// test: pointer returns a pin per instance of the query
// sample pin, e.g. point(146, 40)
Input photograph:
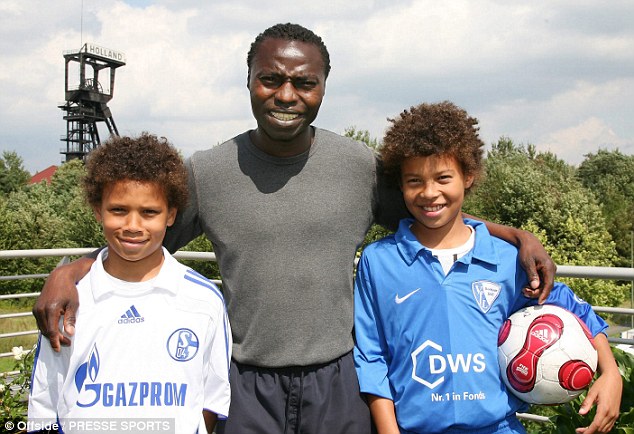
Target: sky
point(555, 74)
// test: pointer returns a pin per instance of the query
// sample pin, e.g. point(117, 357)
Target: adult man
point(286, 206)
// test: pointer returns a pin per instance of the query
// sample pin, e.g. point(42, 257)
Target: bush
point(14, 388)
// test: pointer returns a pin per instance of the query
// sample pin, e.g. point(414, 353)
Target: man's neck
point(278, 148)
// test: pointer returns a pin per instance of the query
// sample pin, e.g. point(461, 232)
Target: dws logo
point(430, 363)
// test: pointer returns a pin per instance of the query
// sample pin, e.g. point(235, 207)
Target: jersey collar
point(483, 250)
point(168, 278)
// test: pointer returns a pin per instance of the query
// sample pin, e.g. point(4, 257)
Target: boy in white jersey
point(420, 302)
point(154, 348)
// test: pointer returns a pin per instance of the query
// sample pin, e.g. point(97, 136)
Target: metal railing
point(65, 254)
point(612, 273)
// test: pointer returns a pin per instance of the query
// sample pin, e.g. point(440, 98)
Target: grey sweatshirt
point(285, 232)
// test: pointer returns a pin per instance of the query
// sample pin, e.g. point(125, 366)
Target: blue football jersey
point(428, 341)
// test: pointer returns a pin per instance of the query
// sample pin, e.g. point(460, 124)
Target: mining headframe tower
point(87, 97)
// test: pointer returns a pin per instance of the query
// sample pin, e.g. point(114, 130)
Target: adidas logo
point(542, 335)
point(131, 316)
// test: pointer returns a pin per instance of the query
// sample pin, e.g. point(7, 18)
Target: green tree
point(45, 216)
point(66, 199)
point(13, 176)
point(28, 222)
point(362, 136)
point(610, 176)
point(540, 193)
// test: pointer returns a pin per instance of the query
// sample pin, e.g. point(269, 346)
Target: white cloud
point(555, 74)
point(591, 134)
point(575, 122)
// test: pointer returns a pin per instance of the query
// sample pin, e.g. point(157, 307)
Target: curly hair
point(146, 158)
point(289, 32)
point(442, 129)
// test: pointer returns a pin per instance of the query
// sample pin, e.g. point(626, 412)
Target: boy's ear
point(171, 216)
point(468, 182)
point(97, 211)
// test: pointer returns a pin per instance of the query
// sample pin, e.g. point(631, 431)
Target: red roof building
point(44, 175)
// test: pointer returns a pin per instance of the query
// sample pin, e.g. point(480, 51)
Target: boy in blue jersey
point(154, 348)
point(431, 298)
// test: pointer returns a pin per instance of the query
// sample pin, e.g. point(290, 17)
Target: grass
point(8, 325)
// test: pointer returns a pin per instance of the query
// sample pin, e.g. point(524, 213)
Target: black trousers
point(316, 399)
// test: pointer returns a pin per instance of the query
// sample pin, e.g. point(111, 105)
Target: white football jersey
point(144, 353)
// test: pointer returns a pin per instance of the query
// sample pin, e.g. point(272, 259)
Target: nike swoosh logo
point(400, 300)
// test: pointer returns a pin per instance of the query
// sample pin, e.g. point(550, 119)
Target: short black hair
point(289, 32)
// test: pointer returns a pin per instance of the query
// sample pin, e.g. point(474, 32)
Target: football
point(546, 355)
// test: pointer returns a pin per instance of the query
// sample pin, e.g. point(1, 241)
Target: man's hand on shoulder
point(538, 265)
point(59, 297)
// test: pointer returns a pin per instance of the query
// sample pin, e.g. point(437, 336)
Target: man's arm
point(210, 420)
point(59, 297)
point(537, 263)
point(390, 207)
point(186, 227)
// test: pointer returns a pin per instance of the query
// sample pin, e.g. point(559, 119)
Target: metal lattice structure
point(87, 98)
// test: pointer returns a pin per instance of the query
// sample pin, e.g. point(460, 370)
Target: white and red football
point(546, 355)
